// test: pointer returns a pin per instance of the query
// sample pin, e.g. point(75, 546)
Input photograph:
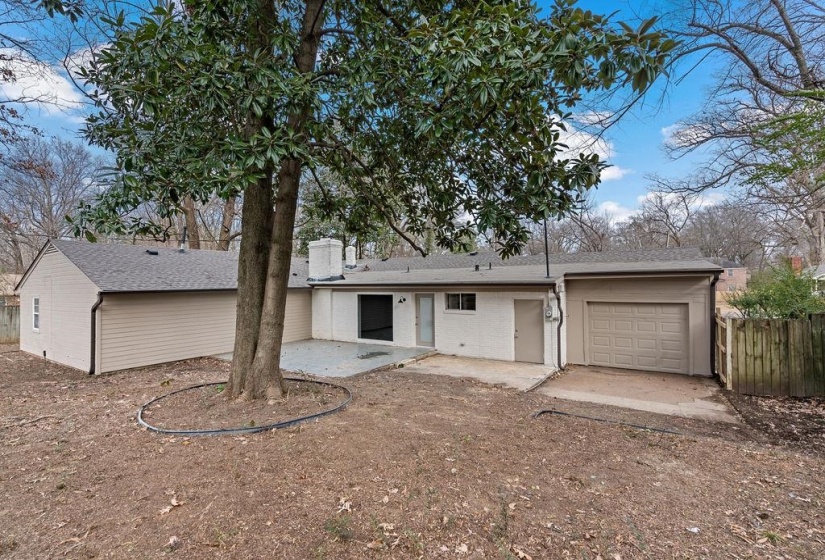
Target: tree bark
point(227, 219)
point(191, 216)
point(256, 227)
point(253, 258)
point(265, 379)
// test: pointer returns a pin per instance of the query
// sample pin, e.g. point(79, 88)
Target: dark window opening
point(375, 317)
point(461, 302)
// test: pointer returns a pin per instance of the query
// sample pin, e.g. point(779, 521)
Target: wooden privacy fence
point(9, 324)
point(772, 357)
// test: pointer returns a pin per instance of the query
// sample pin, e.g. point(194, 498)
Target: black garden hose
point(245, 430)
point(605, 420)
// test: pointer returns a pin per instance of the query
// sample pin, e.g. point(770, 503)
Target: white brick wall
point(485, 333)
point(321, 314)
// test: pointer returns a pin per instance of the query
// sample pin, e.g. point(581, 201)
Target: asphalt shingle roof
point(522, 275)
point(130, 268)
point(484, 258)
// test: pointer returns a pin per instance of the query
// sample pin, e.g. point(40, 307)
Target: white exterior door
point(424, 319)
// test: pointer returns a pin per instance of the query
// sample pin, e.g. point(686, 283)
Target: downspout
point(713, 322)
point(94, 332)
point(558, 327)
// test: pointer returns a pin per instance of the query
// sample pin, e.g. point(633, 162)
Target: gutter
point(558, 327)
point(94, 332)
point(713, 322)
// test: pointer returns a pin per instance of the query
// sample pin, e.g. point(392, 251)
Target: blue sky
point(635, 144)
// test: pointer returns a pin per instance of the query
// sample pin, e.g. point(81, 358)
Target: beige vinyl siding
point(298, 325)
point(66, 299)
point(144, 329)
point(690, 292)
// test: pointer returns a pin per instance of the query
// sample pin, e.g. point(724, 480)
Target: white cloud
point(614, 173)
point(38, 84)
point(615, 211)
point(695, 202)
point(81, 58)
point(579, 141)
point(592, 117)
point(709, 199)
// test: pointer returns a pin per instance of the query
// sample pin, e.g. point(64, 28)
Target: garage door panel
point(622, 342)
point(646, 326)
point(623, 360)
point(673, 346)
point(603, 341)
point(644, 336)
point(601, 308)
point(672, 328)
point(621, 326)
point(646, 344)
point(646, 362)
point(601, 325)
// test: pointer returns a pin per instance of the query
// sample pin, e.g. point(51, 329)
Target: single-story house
point(104, 307)
point(7, 295)
point(649, 310)
point(818, 275)
point(734, 277)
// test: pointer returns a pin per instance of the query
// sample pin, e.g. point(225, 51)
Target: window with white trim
point(36, 314)
point(461, 302)
point(730, 273)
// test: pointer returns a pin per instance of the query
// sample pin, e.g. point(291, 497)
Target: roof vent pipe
point(182, 248)
point(350, 252)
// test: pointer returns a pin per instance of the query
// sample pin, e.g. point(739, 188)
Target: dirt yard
point(414, 468)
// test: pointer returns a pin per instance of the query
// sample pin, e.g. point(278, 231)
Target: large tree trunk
point(253, 259)
point(227, 219)
point(191, 216)
point(265, 379)
point(256, 228)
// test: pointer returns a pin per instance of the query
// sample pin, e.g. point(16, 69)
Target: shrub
point(779, 293)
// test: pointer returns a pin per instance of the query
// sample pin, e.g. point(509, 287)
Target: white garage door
point(645, 336)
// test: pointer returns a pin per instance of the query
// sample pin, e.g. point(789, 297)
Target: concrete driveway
point(662, 393)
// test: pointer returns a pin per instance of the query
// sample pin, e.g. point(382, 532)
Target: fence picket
point(818, 353)
point(9, 324)
point(779, 357)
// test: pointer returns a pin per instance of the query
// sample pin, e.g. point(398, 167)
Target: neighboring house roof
point(817, 271)
point(130, 268)
point(8, 282)
point(725, 263)
point(521, 270)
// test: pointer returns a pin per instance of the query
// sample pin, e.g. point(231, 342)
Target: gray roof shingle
point(484, 258)
point(129, 268)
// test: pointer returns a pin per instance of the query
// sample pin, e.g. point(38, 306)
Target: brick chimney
point(350, 252)
point(796, 264)
point(325, 260)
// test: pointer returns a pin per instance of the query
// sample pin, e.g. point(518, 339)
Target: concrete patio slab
point(327, 358)
point(517, 375)
point(662, 393)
